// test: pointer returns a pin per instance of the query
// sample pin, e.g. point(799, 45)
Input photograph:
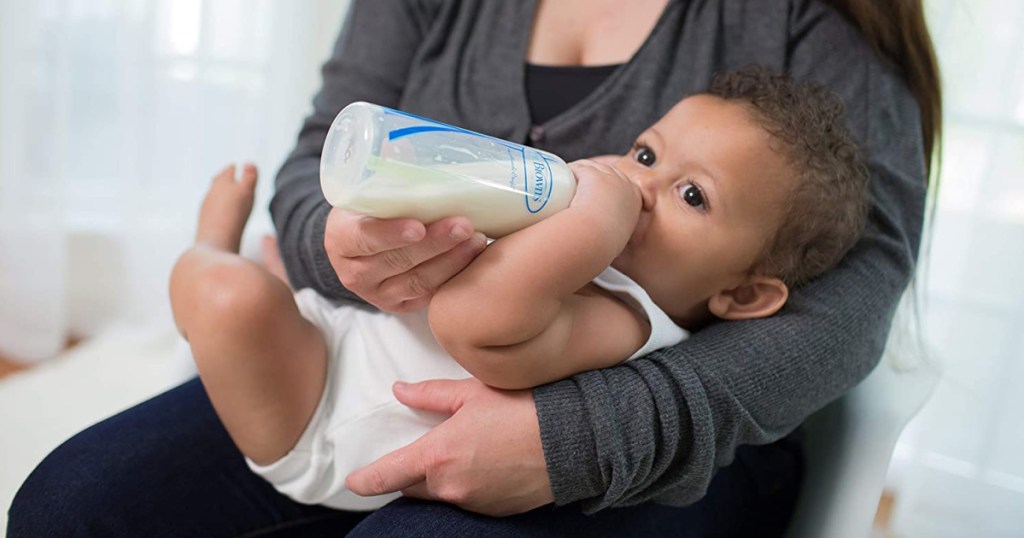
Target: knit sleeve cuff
point(567, 436)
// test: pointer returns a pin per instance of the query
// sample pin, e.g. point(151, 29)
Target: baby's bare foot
point(226, 209)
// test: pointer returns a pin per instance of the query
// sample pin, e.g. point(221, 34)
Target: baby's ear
point(758, 297)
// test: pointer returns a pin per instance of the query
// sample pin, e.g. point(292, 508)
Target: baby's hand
point(606, 190)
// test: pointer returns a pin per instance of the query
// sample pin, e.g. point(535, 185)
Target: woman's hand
point(486, 458)
point(398, 264)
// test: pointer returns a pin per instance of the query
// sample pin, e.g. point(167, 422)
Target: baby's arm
point(517, 317)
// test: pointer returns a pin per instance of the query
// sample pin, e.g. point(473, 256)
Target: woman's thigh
point(163, 468)
point(168, 468)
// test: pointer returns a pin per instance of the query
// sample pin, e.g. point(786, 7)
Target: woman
point(676, 427)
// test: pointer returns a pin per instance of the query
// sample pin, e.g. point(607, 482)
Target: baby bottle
point(386, 163)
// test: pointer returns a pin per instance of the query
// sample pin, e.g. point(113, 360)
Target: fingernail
point(411, 234)
point(458, 233)
point(401, 385)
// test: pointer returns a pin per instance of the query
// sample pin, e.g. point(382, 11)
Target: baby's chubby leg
point(262, 363)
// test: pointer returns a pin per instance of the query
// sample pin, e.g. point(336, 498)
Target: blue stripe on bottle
point(436, 126)
point(406, 131)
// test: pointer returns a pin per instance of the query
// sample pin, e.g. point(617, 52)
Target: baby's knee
point(224, 292)
point(234, 289)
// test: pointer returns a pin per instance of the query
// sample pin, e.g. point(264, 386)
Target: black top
point(553, 89)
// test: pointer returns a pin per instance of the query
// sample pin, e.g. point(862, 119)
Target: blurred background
point(114, 115)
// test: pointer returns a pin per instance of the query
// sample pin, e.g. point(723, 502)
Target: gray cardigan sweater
point(658, 427)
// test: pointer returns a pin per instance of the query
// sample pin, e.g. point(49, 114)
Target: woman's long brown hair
point(897, 30)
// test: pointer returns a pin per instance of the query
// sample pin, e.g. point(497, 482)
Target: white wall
point(114, 116)
point(959, 469)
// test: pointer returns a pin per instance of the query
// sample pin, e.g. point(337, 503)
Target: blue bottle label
point(537, 181)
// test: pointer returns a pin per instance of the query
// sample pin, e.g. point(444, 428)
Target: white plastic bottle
point(387, 163)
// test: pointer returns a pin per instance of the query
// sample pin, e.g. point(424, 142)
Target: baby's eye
point(692, 195)
point(645, 155)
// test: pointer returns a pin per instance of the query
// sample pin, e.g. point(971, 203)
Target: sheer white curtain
point(959, 468)
point(114, 114)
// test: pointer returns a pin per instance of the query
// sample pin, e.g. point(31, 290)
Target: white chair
point(849, 444)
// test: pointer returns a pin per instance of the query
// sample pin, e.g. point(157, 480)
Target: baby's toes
point(249, 175)
point(227, 175)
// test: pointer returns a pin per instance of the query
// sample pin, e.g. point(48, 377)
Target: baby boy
point(720, 208)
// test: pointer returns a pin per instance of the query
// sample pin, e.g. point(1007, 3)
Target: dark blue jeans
point(168, 468)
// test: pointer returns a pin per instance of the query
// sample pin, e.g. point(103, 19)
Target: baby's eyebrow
point(654, 132)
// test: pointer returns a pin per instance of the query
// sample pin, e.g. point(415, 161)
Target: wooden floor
point(8, 366)
point(883, 517)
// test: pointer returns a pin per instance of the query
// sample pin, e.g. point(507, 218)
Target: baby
point(720, 208)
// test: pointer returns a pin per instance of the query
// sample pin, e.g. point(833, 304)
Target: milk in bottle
point(387, 163)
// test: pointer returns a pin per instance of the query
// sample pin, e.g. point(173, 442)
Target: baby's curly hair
point(826, 212)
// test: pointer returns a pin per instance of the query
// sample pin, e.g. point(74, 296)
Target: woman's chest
point(590, 32)
point(470, 68)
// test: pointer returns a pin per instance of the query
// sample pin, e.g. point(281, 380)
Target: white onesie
point(358, 419)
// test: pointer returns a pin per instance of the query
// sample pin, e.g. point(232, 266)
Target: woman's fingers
point(397, 264)
point(435, 395)
point(487, 457)
point(352, 235)
point(440, 237)
point(405, 468)
point(415, 287)
point(391, 472)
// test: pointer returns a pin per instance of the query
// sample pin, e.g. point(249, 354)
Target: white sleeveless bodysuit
point(358, 419)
